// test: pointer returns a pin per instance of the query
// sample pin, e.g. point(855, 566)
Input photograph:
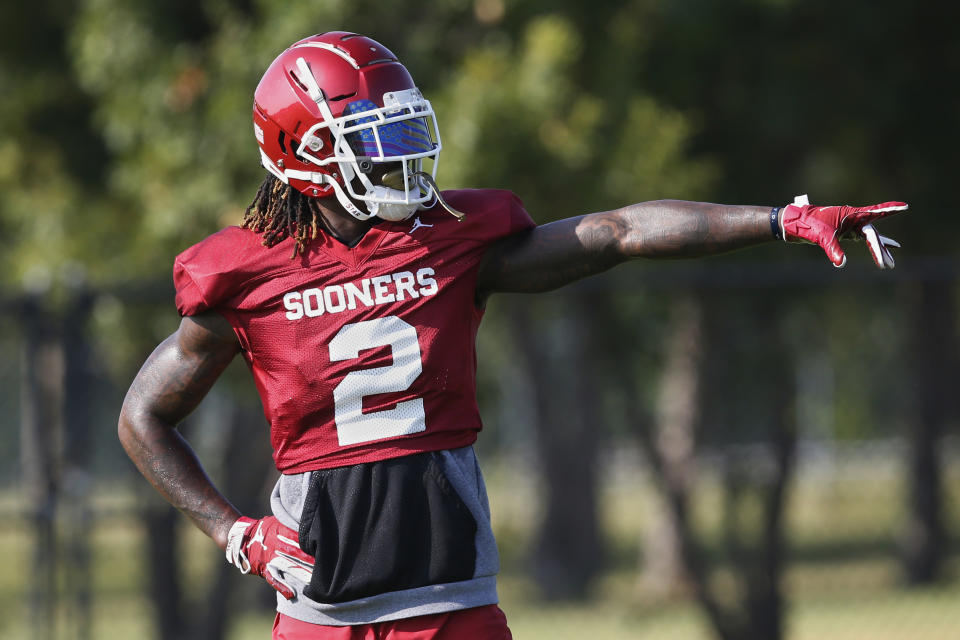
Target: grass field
point(843, 578)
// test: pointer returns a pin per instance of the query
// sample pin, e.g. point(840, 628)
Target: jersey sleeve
point(190, 298)
point(208, 274)
point(491, 214)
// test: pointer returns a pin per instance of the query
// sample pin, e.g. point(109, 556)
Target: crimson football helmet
point(333, 107)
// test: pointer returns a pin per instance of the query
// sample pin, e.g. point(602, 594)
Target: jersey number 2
point(354, 426)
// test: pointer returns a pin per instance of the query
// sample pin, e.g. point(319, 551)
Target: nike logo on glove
point(258, 537)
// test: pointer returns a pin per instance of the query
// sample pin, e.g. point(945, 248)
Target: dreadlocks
point(279, 211)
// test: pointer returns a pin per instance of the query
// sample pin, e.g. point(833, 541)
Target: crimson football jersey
point(364, 353)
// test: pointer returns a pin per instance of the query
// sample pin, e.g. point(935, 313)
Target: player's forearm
point(561, 252)
point(675, 228)
point(171, 383)
point(168, 462)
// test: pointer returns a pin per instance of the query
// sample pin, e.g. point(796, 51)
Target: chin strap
point(322, 179)
point(344, 200)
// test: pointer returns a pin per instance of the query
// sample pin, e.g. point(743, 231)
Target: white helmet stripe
point(329, 47)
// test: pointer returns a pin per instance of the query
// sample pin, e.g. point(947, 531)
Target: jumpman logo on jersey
point(417, 224)
point(258, 537)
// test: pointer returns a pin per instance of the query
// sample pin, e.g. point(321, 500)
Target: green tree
point(51, 157)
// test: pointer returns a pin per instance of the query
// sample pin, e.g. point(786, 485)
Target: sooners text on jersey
point(362, 353)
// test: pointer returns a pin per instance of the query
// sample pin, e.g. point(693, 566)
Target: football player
point(354, 289)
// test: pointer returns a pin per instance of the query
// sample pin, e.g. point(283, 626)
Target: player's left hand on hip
point(270, 550)
point(825, 226)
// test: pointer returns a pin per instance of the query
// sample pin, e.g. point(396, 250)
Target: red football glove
point(270, 550)
point(825, 226)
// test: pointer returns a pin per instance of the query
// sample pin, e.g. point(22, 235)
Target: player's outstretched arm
point(555, 254)
point(171, 383)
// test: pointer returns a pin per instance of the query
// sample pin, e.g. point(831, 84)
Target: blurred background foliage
point(741, 432)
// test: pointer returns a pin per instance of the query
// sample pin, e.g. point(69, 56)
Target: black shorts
point(385, 526)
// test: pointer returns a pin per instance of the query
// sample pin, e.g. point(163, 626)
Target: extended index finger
point(882, 210)
point(855, 217)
